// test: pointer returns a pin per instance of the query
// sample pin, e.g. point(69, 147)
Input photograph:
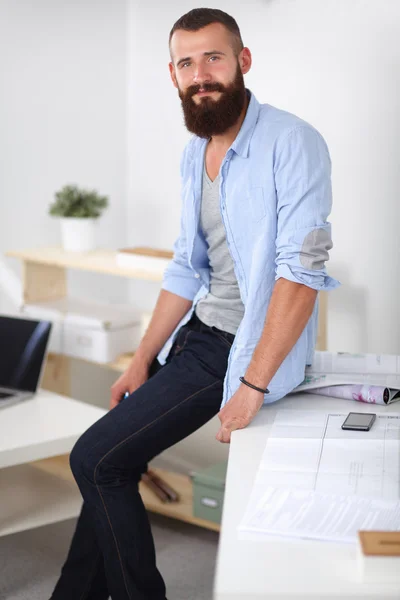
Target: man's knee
point(89, 461)
point(81, 460)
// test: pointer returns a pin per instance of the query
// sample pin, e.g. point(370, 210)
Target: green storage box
point(208, 492)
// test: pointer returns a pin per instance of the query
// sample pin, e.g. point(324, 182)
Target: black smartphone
point(359, 421)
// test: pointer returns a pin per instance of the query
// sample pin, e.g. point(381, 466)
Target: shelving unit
point(57, 496)
point(182, 510)
point(99, 261)
point(44, 278)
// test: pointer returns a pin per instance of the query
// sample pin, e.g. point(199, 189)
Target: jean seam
point(223, 339)
point(179, 348)
point(86, 589)
point(120, 444)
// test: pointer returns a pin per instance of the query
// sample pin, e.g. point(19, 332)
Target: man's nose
point(201, 75)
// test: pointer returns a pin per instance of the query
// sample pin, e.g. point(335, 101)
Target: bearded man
point(235, 322)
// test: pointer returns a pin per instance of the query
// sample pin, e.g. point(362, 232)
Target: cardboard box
point(378, 556)
point(92, 331)
point(150, 259)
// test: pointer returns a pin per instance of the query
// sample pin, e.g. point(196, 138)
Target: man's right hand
point(136, 375)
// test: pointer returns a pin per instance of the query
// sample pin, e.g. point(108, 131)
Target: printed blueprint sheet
point(310, 462)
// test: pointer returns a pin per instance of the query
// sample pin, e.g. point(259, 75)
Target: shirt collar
point(242, 141)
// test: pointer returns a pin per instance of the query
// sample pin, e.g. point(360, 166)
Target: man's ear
point(245, 60)
point(172, 74)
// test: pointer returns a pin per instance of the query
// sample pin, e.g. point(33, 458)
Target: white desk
point(273, 568)
point(44, 426)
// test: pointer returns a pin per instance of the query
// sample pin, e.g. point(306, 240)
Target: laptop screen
point(23, 344)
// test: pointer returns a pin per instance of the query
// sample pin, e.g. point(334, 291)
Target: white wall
point(156, 134)
point(156, 137)
point(65, 116)
point(62, 119)
point(62, 115)
point(334, 63)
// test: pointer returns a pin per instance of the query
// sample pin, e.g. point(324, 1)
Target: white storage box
point(149, 259)
point(89, 330)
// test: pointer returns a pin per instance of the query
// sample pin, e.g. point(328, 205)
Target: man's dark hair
point(201, 17)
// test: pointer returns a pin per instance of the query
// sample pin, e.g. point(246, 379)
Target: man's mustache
point(206, 87)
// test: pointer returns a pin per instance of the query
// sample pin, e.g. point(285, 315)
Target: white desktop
point(42, 427)
point(254, 566)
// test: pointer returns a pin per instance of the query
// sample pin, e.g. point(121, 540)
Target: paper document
point(309, 451)
point(345, 362)
point(373, 378)
point(328, 517)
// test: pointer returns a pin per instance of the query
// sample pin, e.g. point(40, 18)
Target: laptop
point(23, 348)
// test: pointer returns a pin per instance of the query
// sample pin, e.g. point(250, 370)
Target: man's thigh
point(177, 399)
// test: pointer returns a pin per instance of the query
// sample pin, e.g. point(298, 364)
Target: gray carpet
point(30, 561)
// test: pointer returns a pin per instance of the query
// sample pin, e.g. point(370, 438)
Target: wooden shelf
point(121, 363)
point(59, 467)
point(181, 510)
point(99, 261)
point(32, 497)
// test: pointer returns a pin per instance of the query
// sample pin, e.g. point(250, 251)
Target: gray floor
point(30, 561)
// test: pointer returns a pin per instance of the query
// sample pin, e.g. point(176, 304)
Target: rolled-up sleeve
point(179, 278)
point(304, 199)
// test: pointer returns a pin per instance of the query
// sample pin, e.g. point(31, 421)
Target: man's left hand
point(239, 411)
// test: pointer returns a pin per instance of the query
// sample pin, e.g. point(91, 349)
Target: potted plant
point(78, 210)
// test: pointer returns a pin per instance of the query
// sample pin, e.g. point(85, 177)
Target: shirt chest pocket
point(256, 203)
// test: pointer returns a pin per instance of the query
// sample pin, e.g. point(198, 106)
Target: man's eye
point(185, 64)
point(214, 57)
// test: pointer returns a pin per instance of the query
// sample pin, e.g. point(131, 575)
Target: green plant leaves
point(72, 201)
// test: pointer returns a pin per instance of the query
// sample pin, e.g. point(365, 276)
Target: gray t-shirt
point(222, 307)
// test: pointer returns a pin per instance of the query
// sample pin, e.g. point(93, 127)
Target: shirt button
point(197, 275)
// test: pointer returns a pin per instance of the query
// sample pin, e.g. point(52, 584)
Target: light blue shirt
point(275, 198)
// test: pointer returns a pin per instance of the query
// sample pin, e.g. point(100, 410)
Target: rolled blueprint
point(371, 394)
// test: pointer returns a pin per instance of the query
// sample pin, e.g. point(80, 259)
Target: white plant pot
point(78, 235)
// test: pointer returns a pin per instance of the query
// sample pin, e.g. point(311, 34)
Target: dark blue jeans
point(112, 551)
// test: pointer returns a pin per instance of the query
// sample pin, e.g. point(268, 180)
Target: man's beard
point(214, 117)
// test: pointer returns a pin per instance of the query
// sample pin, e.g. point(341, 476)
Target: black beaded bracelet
point(266, 391)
